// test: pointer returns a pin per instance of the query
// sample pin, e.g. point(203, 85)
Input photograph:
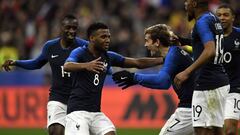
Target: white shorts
point(56, 113)
point(180, 123)
point(86, 123)
point(208, 107)
point(232, 106)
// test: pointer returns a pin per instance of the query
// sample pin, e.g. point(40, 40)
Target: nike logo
point(122, 78)
point(54, 56)
point(195, 119)
point(77, 126)
point(169, 130)
point(236, 111)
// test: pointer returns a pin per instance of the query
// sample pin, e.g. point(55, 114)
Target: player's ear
point(158, 43)
point(91, 38)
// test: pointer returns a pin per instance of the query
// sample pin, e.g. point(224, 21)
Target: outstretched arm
point(154, 81)
point(31, 64)
point(125, 79)
point(142, 62)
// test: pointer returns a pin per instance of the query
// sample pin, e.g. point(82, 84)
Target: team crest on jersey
point(236, 43)
point(105, 65)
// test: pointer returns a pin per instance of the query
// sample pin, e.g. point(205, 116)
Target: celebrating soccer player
point(212, 83)
point(55, 52)
point(89, 66)
point(232, 65)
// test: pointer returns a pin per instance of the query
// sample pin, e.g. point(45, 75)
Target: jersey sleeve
point(204, 31)
point(75, 55)
point(82, 42)
point(36, 63)
point(115, 59)
point(162, 80)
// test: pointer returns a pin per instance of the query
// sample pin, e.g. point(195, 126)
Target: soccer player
point(232, 65)
point(157, 40)
point(212, 83)
point(56, 52)
point(90, 65)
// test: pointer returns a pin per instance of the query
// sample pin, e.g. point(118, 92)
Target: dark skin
point(99, 43)
point(226, 17)
point(69, 30)
point(194, 12)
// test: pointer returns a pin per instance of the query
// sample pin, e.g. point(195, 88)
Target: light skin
point(155, 47)
point(99, 42)
point(227, 18)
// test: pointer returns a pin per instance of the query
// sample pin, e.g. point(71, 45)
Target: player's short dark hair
point(161, 32)
point(94, 27)
point(68, 17)
point(225, 5)
point(202, 3)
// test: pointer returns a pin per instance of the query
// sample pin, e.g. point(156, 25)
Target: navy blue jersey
point(53, 53)
point(176, 61)
point(87, 86)
point(232, 59)
point(211, 75)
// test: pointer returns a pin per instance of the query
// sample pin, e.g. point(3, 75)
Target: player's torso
point(231, 58)
point(86, 94)
point(186, 91)
point(211, 75)
point(61, 80)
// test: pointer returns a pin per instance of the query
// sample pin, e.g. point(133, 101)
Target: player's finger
point(96, 71)
point(99, 58)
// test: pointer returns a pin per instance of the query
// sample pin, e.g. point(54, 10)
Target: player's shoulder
point(237, 29)
point(81, 42)
point(52, 41)
point(208, 17)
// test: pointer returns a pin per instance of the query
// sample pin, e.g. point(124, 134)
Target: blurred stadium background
point(26, 24)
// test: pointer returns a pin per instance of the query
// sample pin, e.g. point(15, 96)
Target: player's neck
point(93, 50)
point(65, 44)
point(163, 50)
point(228, 31)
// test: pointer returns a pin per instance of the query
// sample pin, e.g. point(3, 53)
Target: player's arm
point(72, 63)
point(127, 62)
point(208, 53)
point(162, 80)
point(31, 64)
point(142, 62)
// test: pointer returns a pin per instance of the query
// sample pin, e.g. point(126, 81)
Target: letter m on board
point(140, 108)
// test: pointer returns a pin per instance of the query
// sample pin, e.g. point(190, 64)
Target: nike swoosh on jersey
point(122, 78)
point(54, 56)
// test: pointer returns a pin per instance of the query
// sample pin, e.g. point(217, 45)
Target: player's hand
point(124, 79)
point(96, 66)
point(180, 78)
point(6, 65)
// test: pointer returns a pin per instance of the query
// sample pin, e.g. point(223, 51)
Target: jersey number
point(96, 79)
point(219, 50)
point(65, 73)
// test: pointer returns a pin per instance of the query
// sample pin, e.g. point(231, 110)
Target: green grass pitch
point(44, 132)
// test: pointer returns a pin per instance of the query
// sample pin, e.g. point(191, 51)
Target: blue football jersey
point(232, 59)
point(176, 61)
point(211, 75)
point(87, 86)
point(53, 53)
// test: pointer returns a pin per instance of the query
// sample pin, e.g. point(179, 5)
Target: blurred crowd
point(26, 24)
